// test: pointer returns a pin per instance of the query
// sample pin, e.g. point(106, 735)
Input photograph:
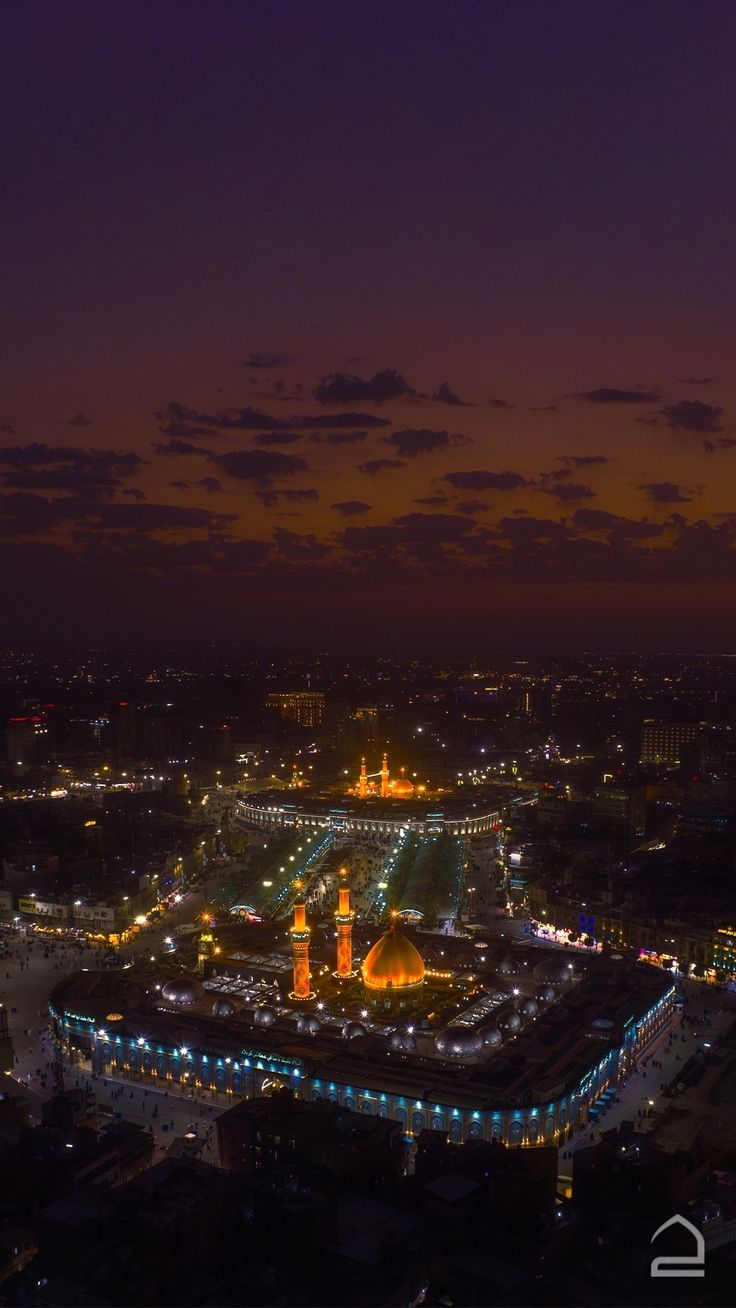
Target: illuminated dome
point(402, 787)
point(393, 963)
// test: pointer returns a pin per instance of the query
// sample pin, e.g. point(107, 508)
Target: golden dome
point(393, 961)
point(402, 786)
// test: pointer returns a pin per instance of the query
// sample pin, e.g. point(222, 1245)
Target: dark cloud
point(180, 484)
point(259, 465)
point(583, 460)
point(543, 408)
point(482, 480)
point(611, 395)
point(6, 429)
point(665, 492)
point(249, 419)
point(531, 529)
point(79, 420)
point(341, 388)
point(338, 437)
point(568, 492)
point(693, 415)
point(269, 496)
point(134, 493)
point(443, 395)
point(154, 517)
point(499, 404)
point(210, 484)
point(296, 546)
point(74, 478)
point(38, 455)
point(186, 431)
point(369, 538)
point(374, 466)
point(434, 501)
point(264, 361)
point(175, 446)
point(602, 520)
point(698, 381)
point(350, 508)
point(554, 477)
point(723, 443)
point(278, 438)
point(471, 506)
point(434, 526)
point(410, 442)
point(25, 513)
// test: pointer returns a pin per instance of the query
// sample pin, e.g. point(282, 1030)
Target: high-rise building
point(668, 742)
point(161, 736)
point(620, 808)
point(24, 734)
point(306, 707)
point(125, 729)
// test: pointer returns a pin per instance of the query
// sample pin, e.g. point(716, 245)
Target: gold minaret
point(344, 919)
point(300, 934)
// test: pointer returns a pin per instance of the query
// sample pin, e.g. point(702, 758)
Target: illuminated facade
point(666, 742)
point(305, 707)
point(300, 934)
point(344, 918)
point(234, 1061)
point(454, 815)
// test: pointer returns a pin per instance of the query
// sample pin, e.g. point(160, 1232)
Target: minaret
point(363, 782)
point(344, 918)
point(384, 776)
point(300, 934)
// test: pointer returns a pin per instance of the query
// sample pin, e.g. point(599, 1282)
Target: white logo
point(685, 1264)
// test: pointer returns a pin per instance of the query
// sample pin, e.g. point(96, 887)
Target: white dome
point(491, 1035)
point(507, 967)
point(182, 990)
point(403, 1040)
point(459, 1042)
point(223, 1008)
point(264, 1017)
point(353, 1029)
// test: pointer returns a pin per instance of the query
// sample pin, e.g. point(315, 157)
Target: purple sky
point(376, 322)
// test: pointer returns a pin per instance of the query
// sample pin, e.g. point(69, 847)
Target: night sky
point(403, 324)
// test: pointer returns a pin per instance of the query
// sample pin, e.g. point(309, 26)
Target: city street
point(672, 1047)
point(25, 993)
